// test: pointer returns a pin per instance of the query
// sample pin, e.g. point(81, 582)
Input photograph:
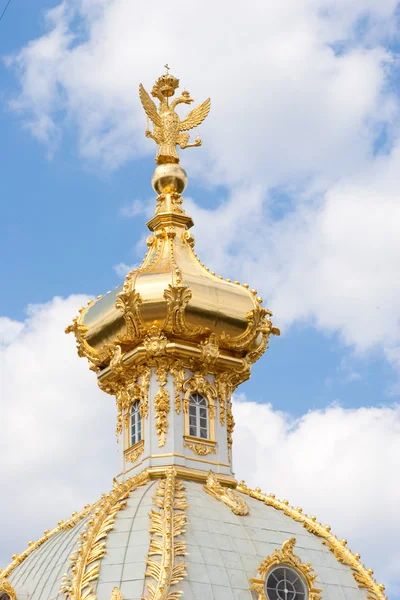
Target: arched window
point(136, 423)
point(198, 416)
point(285, 583)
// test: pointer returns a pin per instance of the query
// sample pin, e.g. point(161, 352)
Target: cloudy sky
point(295, 191)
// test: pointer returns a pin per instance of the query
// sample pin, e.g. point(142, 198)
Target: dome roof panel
point(224, 551)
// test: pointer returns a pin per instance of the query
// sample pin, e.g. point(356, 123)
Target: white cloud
point(135, 208)
point(122, 269)
point(339, 464)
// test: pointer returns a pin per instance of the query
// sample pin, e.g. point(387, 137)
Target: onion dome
point(174, 293)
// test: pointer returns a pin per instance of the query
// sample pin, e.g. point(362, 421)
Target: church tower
point(171, 345)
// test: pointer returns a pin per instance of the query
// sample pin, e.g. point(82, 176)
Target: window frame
point(294, 571)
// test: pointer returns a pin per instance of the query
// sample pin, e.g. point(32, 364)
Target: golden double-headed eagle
point(168, 127)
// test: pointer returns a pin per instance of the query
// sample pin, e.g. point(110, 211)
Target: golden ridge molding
point(226, 495)
point(74, 519)
point(85, 562)
point(165, 526)
point(361, 574)
point(285, 556)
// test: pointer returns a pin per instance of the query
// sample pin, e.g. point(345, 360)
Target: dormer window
point(198, 416)
point(136, 423)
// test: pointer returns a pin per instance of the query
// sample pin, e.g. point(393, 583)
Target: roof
point(112, 539)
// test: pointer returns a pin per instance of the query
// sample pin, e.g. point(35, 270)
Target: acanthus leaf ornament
point(77, 584)
point(165, 527)
point(129, 303)
point(286, 556)
point(231, 498)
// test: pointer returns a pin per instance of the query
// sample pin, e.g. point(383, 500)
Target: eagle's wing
point(149, 106)
point(196, 116)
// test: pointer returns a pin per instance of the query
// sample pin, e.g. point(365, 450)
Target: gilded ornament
point(116, 594)
point(178, 372)
point(226, 495)
point(132, 454)
point(95, 357)
point(285, 556)
point(198, 383)
point(144, 383)
point(162, 403)
point(129, 303)
point(85, 562)
point(209, 350)
point(199, 448)
point(165, 527)
point(167, 124)
point(155, 342)
point(7, 589)
point(362, 576)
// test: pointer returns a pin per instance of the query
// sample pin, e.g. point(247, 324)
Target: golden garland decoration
point(165, 527)
point(286, 556)
point(85, 562)
point(361, 574)
point(74, 519)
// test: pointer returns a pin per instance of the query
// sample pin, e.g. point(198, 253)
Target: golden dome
point(173, 293)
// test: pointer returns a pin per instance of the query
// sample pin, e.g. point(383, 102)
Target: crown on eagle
point(166, 85)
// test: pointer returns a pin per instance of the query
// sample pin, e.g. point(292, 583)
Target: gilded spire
point(167, 125)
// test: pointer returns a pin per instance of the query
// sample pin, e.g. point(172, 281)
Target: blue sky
point(295, 189)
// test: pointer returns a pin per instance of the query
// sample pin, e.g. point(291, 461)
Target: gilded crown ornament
point(168, 127)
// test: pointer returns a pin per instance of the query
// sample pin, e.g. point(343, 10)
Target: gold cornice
point(362, 575)
point(187, 473)
point(169, 218)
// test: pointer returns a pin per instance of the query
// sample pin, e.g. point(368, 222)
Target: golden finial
point(168, 127)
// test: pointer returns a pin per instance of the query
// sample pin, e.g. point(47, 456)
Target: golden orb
point(169, 178)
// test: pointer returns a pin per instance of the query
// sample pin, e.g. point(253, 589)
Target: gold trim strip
point(362, 575)
point(170, 455)
point(165, 527)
